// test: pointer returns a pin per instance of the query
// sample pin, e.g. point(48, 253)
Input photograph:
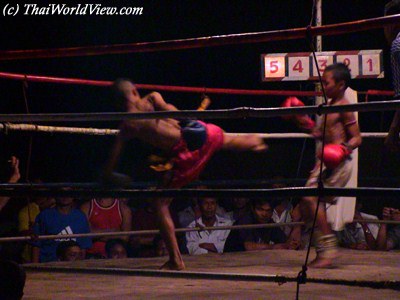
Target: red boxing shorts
point(188, 165)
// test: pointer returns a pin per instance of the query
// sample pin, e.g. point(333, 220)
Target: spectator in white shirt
point(282, 214)
point(360, 236)
point(282, 206)
point(203, 242)
point(192, 213)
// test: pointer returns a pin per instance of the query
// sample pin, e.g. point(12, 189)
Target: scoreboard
point(301, 66)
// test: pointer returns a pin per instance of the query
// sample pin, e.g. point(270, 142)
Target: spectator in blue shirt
point(62, 219)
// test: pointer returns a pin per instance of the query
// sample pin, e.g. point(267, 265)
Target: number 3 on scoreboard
point(323, 62)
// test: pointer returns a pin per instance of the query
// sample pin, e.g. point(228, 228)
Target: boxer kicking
point(189, 144)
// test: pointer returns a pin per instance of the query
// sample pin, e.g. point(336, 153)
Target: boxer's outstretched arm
point(159, 103)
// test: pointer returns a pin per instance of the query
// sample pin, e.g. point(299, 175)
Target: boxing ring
point(254, 273)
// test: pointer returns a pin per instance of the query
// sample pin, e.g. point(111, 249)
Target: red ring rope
point(182, 89)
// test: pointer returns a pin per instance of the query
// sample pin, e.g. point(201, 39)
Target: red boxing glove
point(334, 154)
point(291, 102)
point(302, 121)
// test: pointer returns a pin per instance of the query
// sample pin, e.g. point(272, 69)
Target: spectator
point(207, 241)
point(282, 207)
point(389, 239)
point(241, 208)
point(62, 219)
point(145, 219)
point(26, 219)
point(192, 212)
point(106, 215)
point(69, 251)
point(299, 234)
point(8, 216)
point(360, 236)
point(257, 239)
point(282, 214)
point(14, 178)
point(12, 280)
point(189, 214)
point(116, 249)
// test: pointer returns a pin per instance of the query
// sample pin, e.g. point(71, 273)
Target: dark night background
point(78, 158)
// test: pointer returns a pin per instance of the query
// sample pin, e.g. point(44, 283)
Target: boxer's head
point(124, 90)
point(336, 79)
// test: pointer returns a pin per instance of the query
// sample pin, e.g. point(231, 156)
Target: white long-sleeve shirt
point(186, 216)
point(285, 217)
point(216, 237)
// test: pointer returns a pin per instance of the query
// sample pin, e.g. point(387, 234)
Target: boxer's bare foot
point(321, 263)
point(175, 266)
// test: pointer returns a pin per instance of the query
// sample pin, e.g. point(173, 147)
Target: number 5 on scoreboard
point(274, 67)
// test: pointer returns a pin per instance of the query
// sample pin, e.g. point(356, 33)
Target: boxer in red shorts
point(190, 145)
point(188, 165)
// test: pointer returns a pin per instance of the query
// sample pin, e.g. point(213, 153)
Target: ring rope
point(240, 112)
point(177, 230)
point(147, 232)
point(202, 42)
point(181, 89)
point(44, 190)
point(280, 279)
point(7, 127)
point(164, 88)
point(217, 183)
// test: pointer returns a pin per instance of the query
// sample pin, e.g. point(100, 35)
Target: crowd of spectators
point(65, 215)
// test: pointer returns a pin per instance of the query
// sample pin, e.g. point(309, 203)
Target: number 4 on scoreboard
point(299, 67)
